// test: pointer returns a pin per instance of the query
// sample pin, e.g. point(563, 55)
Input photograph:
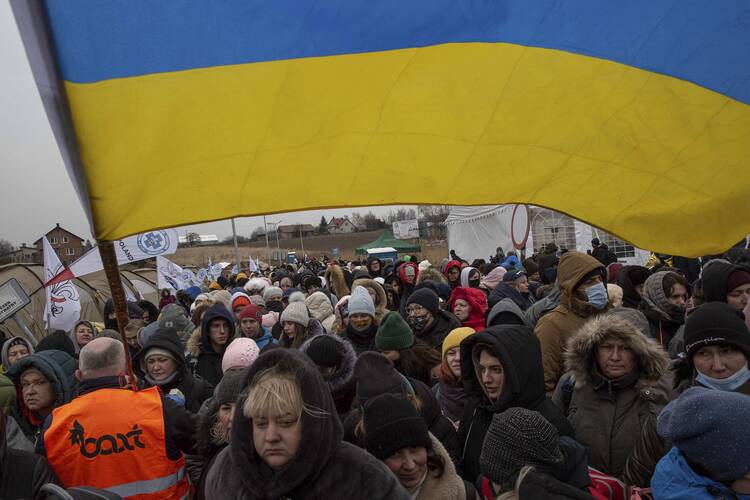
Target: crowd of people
point(565, 375)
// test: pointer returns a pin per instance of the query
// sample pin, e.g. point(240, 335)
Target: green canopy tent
point(386, 239)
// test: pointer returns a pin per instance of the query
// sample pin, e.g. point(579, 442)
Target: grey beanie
point(519, 437)
point(360, 302)
point(272, 291)
point(296, 312)
point(11, 342)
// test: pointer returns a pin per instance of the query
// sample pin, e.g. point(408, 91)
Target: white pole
point(268, 249)
point(236, 247)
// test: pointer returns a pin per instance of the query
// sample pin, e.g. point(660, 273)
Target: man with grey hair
point(111, 437)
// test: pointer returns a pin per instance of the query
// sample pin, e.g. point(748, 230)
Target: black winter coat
point(193, 387)
point(204, 361)
point(714, 280)
point(519, 352)
point(23, 472)
point(505, 291)
point(324, 467)
point(439, 329)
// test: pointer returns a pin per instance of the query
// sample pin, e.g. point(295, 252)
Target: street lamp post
point(278, 249)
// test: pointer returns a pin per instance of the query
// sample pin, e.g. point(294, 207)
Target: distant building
point(200, 240)
point(341, 225)
point(68, 246)
point(23, 255)
point(295, 230)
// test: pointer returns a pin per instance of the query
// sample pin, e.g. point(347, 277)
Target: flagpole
point(268, 248)
point(236, 248)
point(109, 259)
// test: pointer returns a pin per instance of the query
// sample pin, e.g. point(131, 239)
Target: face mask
point(275, 306)
point(360, 324)
point(597, 296)
point(474, 283)
point(728, 384)
point(417, 323)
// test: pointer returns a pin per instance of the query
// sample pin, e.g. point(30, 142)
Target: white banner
point(169, 275)
point(405, 229)
point(133, 249)
point(63, 306)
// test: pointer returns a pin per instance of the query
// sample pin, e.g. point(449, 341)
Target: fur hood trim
point(432, 274)
point(194, 343)
point(382, 299)
point(579, 355)
point(345, 371)
point(334, 276)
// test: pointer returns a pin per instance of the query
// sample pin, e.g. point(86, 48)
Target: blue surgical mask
point(596, 295)
point(728, 384)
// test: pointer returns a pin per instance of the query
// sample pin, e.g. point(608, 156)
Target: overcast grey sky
point(35, 191)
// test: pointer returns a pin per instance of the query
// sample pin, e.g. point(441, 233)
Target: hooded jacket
point(341, 382)
point(449, 486)
point(616, 419)
point(381, 301)
point(7, 395)
point(714, 280)
point(674, 479)
point(555, 328)
point(193, 387)
point(72, 334)
point(504, 290)
point(664, 318)
point(336, 280)
point(379, 272)
point(630, 297)
point(59, 368)
point(543, 306)
point(477, 301)
point(324, 467)
point(22, 473)
point(6, 347)
point(204, 361)
point(518, 351)
point(506, 312)
point(321, 309)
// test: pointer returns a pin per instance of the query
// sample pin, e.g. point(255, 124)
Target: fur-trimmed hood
point(432, 274)
point(579, 354)
point(334, 276)
point(342, 377)
point(193, 345)
point(381, 301)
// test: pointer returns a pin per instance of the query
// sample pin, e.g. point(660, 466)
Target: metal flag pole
point(109, 259)
point(268, 248)
point(236, 248)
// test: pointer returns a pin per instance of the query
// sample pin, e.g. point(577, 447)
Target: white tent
point(476, 232)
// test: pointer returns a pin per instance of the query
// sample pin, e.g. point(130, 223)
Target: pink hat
point(240, 353)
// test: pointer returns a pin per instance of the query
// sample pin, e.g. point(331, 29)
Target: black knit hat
point(518, 437)
point(715, 323)
point(230, 387)
point(376, 375)
point(425, 298)
point(391, 422)
point(323, 351)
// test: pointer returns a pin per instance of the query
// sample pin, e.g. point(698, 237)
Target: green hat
point(393, 333)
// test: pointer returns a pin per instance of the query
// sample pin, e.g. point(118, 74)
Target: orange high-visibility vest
point(114, 439)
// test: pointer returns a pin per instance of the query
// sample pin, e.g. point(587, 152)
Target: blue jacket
point(266, 338)
point(673, 479)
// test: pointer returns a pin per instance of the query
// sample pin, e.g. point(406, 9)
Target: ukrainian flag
point(631, 115)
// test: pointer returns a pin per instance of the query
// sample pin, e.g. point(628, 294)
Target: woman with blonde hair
point(286, 441)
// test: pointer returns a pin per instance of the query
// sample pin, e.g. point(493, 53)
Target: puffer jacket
point(674, 479)
point(664, 318)
point(320, 308)
point(59, 368)
point(22, 473)
point(616, 419)
point(381, 301)
point(193, 387)
point(324, 466)
point(341, 382)
point(556, 327)
point(202, 358)
point(518, 351)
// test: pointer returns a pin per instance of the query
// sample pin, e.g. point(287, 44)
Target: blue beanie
point(709, 427)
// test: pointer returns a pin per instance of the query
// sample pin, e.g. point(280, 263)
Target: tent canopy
point(386, 239)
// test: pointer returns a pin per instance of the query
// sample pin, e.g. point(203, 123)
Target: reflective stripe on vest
point(114, 439)
point(150, 486)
